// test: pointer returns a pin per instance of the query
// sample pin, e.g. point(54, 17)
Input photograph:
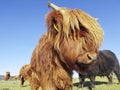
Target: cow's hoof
point(90, 88)
point(80, 89)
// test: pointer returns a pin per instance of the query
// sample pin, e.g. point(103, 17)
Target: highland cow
point(7, 76)
point(105, 65)
point(73, 38)
point(26, 74)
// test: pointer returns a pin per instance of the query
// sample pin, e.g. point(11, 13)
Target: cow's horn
point(53, 6)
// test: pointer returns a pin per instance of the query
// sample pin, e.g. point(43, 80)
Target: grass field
point(101, 84)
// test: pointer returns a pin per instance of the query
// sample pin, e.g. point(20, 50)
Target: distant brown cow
point(7, 76)
point(26, 74)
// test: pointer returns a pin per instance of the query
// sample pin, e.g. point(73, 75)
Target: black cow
point(105, 64)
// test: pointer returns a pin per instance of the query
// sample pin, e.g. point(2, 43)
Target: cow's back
point(111, 56)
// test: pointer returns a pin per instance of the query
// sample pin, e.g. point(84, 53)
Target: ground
point(101, 84)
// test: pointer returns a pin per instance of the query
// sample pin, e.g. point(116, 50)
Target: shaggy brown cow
point(73, 38)
point(27, 74)
point(7, 76)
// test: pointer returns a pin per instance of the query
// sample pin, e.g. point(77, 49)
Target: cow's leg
point(22, 81)
point(59, 79)
point(34, 83)
point(109, 78)
point(51, 86)
point(117, 72)
point(82, 79)
point(92, 79)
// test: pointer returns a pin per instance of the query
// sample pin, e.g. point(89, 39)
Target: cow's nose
point(91, 57)
point(87, 58)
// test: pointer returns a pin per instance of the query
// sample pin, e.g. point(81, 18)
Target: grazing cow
point(7, 76)
point(73, 38)
point(27, 74)
point(105, 64)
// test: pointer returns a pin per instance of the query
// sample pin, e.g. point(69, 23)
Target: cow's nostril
point(89, 57)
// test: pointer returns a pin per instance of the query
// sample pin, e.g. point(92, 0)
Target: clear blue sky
point(22, 22)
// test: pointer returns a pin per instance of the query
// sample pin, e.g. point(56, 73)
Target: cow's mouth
point(82, 67)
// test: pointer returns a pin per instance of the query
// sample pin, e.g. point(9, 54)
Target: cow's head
point(77, 36)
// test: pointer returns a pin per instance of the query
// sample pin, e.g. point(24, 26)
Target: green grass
point(13, 85)
point(101, 84)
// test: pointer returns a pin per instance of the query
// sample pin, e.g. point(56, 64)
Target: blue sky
point(22, 22)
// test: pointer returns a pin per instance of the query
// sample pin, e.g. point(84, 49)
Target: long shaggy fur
point(72, 35)
point(26, 74)
point(105, 65)
point(51, 73)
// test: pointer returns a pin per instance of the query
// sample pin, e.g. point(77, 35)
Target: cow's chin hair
point(83, 67)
